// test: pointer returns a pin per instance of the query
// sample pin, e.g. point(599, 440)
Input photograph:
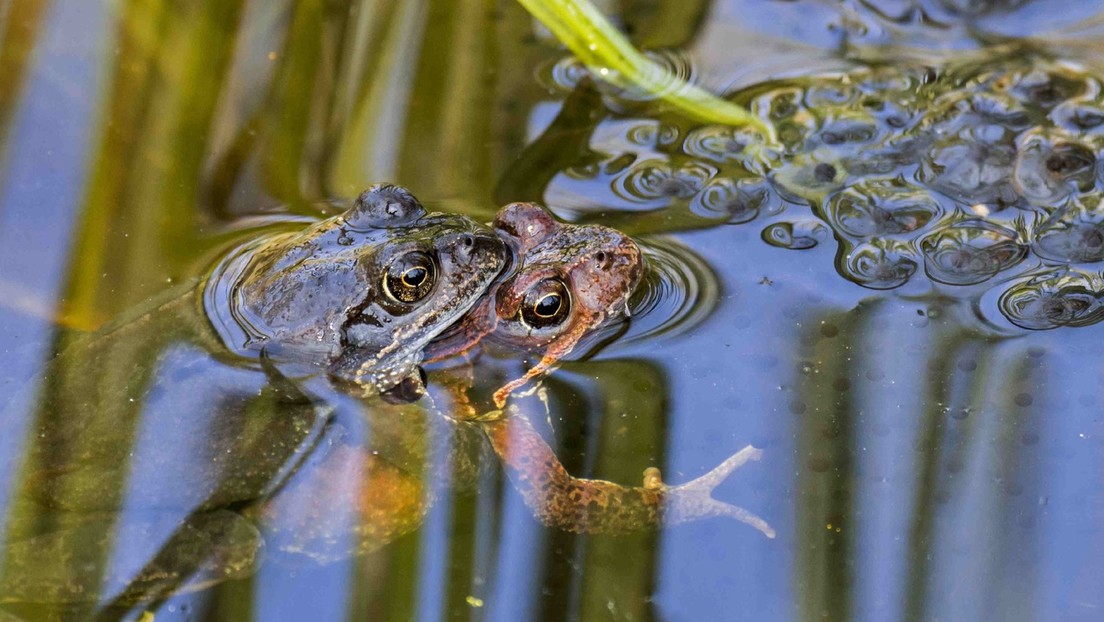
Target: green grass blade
point(611, 57)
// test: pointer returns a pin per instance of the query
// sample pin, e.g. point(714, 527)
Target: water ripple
point(798, 235)
point(1053, 299)
point(880, 264)
point(651, 181)
point(679, 291)
point(568, 72)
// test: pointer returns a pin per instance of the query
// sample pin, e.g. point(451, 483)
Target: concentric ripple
point(882, 207)
point(1052, 300)
point(650, 181)
point(881, 264)
point(797, 235)
point(737, 200)
point(973, 171)
point(652, 134)
point(678, 69)
point(1048, 170)
point(970, 251)
point(1072, 235)
point(725, 144)
point(678, 292)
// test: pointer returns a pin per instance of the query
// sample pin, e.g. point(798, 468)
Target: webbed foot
point(693, 500)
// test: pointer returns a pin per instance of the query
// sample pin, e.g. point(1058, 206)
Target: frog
point(568, 283)
point(350, 293)
point(245, 368)
point(977, 177)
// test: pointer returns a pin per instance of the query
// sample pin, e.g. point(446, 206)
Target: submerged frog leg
point(544, 366)
point(358, 496)
point(557, 351)
point(455, 385)
point(693, 500)
point(354, 503)
point(598, 506)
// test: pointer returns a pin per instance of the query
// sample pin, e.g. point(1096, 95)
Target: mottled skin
point(598, 268)
point(598, 506)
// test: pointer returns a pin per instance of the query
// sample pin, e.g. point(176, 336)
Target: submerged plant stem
point(611, 57)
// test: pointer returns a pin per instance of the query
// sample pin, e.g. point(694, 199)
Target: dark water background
point(919, 464)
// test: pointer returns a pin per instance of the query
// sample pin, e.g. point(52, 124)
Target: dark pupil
point(547, 306)
point(414, 276)
point(410, 278)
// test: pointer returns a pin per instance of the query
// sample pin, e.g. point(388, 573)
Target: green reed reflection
point(826, 445)
point(21, 28)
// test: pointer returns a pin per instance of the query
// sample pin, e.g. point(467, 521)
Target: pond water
point(899, 306)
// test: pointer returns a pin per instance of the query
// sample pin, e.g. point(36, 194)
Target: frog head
point(567, 281)
point(359, 294)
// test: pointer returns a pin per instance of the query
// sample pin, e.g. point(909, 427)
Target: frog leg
point(598, 506)
point(544, 366)
point(354, 502)
point(559, 349)
point(693, 500)
point(455, 383)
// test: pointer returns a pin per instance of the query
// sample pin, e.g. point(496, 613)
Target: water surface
point(924, 456)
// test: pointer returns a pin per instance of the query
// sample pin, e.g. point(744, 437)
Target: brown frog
point(321, 490)
point(568, 283)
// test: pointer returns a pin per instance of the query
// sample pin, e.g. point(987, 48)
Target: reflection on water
point(928, 453)
point(678, 292)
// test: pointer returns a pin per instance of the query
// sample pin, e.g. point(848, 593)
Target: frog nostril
point(467, 240)
point(601, 257)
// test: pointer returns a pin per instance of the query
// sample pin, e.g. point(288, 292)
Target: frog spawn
point(975, 173)
point(1053, 299)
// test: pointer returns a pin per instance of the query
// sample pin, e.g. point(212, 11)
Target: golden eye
point(546, 304)
point(410, 278)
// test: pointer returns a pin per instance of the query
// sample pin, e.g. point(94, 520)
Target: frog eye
point(410, 278)
point(546, 304)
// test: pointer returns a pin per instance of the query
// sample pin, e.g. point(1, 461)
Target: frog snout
point(477, 247)
point(630, 260)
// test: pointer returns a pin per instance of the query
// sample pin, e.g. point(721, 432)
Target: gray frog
point(150, 434)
